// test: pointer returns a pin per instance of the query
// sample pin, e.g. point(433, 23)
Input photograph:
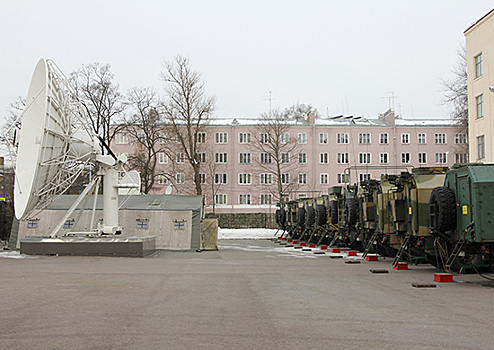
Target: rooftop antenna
point(391, 100)
point(270, 98)
point(55, 145)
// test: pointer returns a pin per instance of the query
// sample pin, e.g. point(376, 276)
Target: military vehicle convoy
point(430, 215)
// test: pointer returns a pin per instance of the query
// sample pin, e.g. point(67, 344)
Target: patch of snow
point(246, 233)
point(12, 254)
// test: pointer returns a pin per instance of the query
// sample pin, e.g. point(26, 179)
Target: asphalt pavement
point(250, 294)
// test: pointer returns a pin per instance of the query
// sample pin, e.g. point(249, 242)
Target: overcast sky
point(340, 56)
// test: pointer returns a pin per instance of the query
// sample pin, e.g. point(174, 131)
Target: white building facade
point(480, 62)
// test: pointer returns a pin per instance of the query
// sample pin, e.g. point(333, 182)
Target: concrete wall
point(160, 225)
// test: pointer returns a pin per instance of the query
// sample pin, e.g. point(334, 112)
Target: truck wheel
point(321, 214)
point(283, 216)
point(333, 212)
point(300, 217)
point(310, 216)
point(351, 211)
point(442, 209)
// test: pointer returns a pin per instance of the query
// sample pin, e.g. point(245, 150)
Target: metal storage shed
point(175, 220)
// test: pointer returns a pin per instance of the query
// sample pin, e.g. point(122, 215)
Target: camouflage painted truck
point(462, 218)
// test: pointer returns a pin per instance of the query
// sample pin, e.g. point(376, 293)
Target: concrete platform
point(83, 246)
point(247, 295)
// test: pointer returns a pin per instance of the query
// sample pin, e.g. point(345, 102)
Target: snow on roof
point(340, 120)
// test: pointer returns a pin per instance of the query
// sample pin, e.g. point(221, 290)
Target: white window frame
point(479, 101)
point(364, 138)
point(245, 179)
point(220, 179)
point(220, 198)
point(244, 199)
point(180, 178)
point(441, 158)
point(163, 138)
point(285, 178)
point(422, 138)
point(384, 158)
point(266, 179)
point(365, 158)
point(422, 157)
point(384, 138)
point(479, 70)
point(364, 177)
point(343, 158)
point(302, 138)
point(221, 157)
point(200, 137)
point(285, 158)
point(302, 178)
point(461, 138)
point(266, 158)
point(405, 138)
point(323, 158)
point(323, 138)
point(342, 138)
point(285, 138)
point(244, 158)
point(221, 138)
point(180, 158)
point(244, 137)
point(265, 138)
point(162, 179)
point(343, 178)
point(121, 138)
point(162, 158)
point(440, 138)
point(302, 158)
point(406, 158)
point(202, 157)
point(324, 178)
point(266, 199)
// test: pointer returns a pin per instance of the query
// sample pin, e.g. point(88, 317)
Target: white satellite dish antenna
point(55, 144)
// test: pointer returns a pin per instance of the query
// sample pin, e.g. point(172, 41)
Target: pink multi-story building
point(331, 151)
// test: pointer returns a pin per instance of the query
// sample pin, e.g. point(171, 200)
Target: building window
point(220, 179)
point(244, 158)
point(364, 177)
point(244, 137)
point(441, 158)
point(405, 139)
point(200, 137)
point(383, 139)
point(285, 158)
point(141, 137)
point(324, 179)
point(480, 106)
point(162, 179)
point(285, 179)
point(364, 138)
point(478, 66)
point(121, 138)
point(265, 138)
point(69, 224)
point(220, 198)
point(302, 158)
point(342, 138)
point(323, 138)
point(383, 158)
point(202, 178)
point(343, 158)
point(244, 199)
point(266, 198)
point(364, 158)
point(302, 179)
point(179, 225)
point(302, 138)
point(162, 158)
point(163, 137)
point(481, 147)
point(180, 178)
point(343, 178)
point(180, 158)
point(266, 179)
point(266, 158)
point(422, 158)
point(285, 197)
point(221, 137)
point(422, 139)
point(245, 179)
point(461, 158)
point(178, 137)
point(461, 139)
point(323, 158)
point(440, 139)
point(285, 138)
point(201, 157)
point(142, 224)
point(405, 158)
point(220, 158)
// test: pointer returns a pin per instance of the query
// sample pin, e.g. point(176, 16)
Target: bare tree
point(278, 150)
point(145, 130)
point(93, 85)
point(187, 110)
point(456, 94)
point(300, 111)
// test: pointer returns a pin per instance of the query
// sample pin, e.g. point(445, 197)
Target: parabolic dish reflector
point(47, 161)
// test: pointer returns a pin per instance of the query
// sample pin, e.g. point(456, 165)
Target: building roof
point(477, 21)
point(136, 202)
